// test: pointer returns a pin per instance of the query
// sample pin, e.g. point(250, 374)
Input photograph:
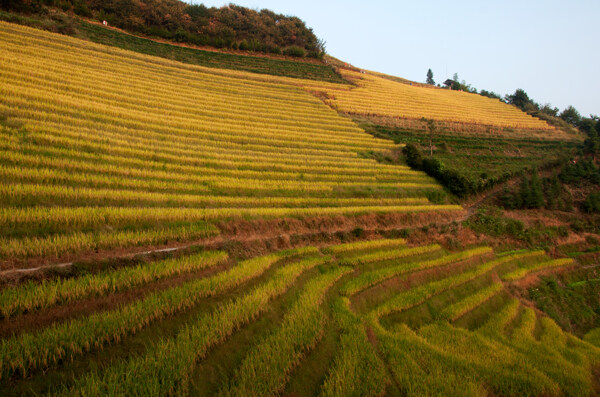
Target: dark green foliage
point(520, 99)
point(223, 27)
point(430, 79)
point(490, 94)
point(571, 299)
point(592, 203)
point(413, 156)
point(536, 199)
point(578, 172)
point(535, 193)
point(294, 51)
point(490, 221)
point(571, 116)
point(474, 163)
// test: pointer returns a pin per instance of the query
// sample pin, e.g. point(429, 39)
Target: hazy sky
point(551, 48)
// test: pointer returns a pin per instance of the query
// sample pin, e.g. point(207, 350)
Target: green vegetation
point(491, 221)
point(230, 26)
point(467, 164)
point(357, 369)
point(362, 356)
point(572, 299)
point(34, 296)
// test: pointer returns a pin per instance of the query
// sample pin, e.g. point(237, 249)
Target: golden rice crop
point(375, 95)
point(91, 125)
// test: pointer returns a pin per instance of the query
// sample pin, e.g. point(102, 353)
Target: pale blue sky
point(548, 48)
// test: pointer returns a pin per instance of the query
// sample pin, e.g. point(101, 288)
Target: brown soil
point(275, 233)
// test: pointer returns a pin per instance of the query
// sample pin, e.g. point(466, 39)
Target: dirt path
point(258, 237)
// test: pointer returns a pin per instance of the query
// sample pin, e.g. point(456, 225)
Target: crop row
point(265, 370)
point(374, 277)
point(531, 268)
point(28, 351)
point(166, 368)
point(345, 249)
point(378, 96)
point(14, 195)
point(393, 254)
point(412, 297)
point(457, 310)
point(34, 296)
point(199, 175)
point(58, 245)
point(356, 370)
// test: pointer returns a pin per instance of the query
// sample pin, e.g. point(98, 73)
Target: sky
point(549, 48)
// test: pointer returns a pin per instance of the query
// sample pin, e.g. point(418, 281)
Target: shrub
point(592, 203)
point(413, 156)
point(295, 51)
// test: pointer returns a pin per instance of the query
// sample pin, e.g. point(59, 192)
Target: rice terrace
point(202, 201)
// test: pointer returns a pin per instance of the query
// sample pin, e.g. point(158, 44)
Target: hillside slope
point(375, 95)
point(366, 319)
point(103, 148)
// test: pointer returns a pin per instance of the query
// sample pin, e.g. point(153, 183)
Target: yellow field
point(90, 133)
point(377, 96)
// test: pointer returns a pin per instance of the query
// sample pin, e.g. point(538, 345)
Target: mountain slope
point(104, 148)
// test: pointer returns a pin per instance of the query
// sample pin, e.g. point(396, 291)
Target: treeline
point(568, 117)
point(231, 26)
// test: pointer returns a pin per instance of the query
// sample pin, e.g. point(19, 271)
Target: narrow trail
point(315, 238)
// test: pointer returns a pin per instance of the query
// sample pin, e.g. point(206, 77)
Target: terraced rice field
point(374, 95)
point(101, 148)
point(364, 318)
point(484, 157)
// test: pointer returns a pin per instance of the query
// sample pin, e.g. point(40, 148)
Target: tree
point(431, 128)
point(536, 192)
point(571, 116)
point(520, 99)
point(430, 79)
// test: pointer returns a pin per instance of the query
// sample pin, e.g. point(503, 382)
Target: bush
point(592, 203)
point(413, 156)
point(295, 51)
point(82, 9)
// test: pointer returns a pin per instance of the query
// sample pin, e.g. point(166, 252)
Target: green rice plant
point(165, 369)
point(421, 369)
point(460, 308)
point(356, 370)
point(34, 296)
point(37, 350)
point(420, 294)
point(565, 366)
point(494, 327)
point(524, 271)
point(60, 245)
point(343, 249)
point(490, 361)
point(384, 255)
point(265, 370)
point(374, 277)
